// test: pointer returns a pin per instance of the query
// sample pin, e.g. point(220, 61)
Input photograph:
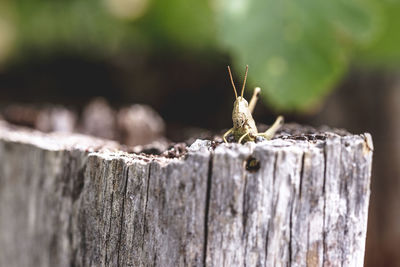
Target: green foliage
point(385, 50)
point(296, 50)
point(55, 25)
point(89, 26)
point(182, 23)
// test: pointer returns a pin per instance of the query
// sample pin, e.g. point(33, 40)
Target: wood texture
point(72, 200)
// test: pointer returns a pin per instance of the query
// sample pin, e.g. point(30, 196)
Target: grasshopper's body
point(243, 121)
point(244, 126)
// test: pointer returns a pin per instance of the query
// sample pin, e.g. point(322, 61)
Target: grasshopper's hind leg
point(254, 98)
point(269, 134)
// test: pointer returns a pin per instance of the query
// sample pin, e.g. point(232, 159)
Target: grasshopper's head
point(240, 111)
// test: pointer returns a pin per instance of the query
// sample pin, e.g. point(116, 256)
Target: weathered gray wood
point(72, 200)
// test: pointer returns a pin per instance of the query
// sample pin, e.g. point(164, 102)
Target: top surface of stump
point(291, 135)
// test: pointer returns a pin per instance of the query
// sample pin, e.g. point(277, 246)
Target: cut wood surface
point(73, 200)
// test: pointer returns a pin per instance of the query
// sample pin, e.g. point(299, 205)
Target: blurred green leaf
point(181, 23)
point(90, 25)
point(73, 25)
point(7, 31)
point(296, 50)
point(384, 51)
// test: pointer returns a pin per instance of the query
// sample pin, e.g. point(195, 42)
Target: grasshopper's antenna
point(233, 84)
point(245, 77)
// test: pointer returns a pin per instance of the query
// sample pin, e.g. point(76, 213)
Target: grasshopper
point(244, 127)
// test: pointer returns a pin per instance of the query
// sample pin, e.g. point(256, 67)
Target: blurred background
point(334, 63)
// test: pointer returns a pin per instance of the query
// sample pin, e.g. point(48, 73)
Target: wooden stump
point(73, 200)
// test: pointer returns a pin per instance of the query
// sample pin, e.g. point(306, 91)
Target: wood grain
point(73, 200)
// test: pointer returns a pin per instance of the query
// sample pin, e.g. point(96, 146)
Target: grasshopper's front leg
point(226, 134)
point(243, 136)
point(254, 98)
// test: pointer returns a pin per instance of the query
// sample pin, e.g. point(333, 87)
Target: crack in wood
point(290, 231)
point(346, 180)
point(105, 191)
point(272, 208)
point(244, 207)
point(145, 205)
point(125, 174)
point(245, 215)
point(207, 206)
point(324, 245)
point(301, 174)
point(108, 233)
